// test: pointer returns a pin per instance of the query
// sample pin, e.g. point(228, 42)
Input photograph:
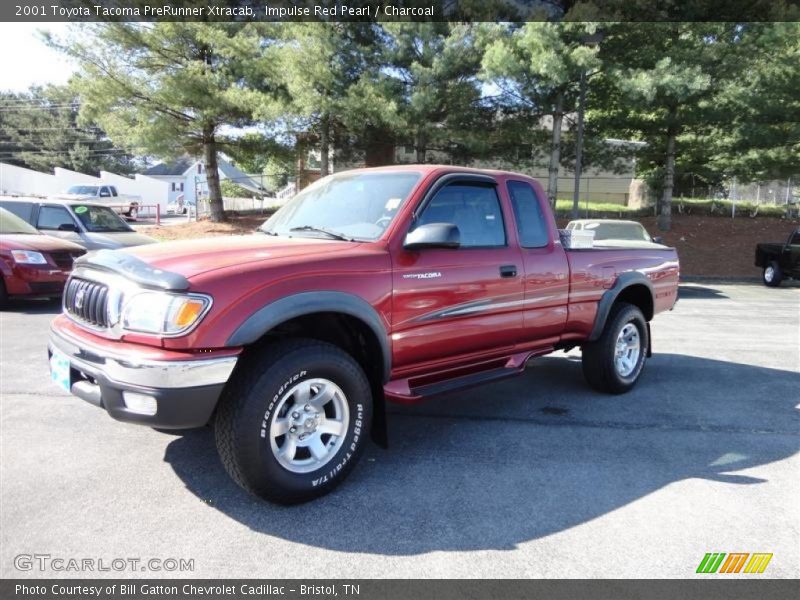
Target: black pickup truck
point(780, 260)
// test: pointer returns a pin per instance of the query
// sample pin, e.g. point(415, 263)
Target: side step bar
point(414, 389)
point(458, 383)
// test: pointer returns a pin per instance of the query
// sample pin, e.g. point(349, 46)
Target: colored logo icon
point(735, 562)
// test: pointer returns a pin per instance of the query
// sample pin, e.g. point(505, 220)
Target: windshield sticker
point(80, 209)
point(393, 203)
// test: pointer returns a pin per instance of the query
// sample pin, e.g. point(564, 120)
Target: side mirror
point(658, 239)
point(433, 235)
point(67, 227)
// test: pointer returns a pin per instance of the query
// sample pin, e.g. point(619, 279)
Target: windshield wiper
point(266, 232)
point(334, 234)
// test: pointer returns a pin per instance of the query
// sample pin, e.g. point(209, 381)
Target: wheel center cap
point(306, 423)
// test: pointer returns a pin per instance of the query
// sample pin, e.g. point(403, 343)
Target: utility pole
point(593, 39)
point(576, 192)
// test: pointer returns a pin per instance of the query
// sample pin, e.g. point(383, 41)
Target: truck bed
point(595, 270)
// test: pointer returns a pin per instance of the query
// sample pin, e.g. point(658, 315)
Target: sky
point(27, 60)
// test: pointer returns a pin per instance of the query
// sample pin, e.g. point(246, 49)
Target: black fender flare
point(306, 303)
point(625, 280)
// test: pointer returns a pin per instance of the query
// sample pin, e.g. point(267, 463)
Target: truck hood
point(66, 196)
point(39, 243)
point(194, 257)
point(114, 240)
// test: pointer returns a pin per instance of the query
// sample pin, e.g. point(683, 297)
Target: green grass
point(565, 205)
point(685, 206)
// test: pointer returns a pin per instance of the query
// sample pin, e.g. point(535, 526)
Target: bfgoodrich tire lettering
point(614, 362)
point(294, 388)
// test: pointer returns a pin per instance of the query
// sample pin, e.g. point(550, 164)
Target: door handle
point(508, 271)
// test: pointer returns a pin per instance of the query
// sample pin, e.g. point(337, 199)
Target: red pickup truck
point(396, 283)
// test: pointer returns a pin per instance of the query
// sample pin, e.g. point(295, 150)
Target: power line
point(44, 140)
point(26, 129)
point(23, 101)
point(5, 108)
point(20, 153)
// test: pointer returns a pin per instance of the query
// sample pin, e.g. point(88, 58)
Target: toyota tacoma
point(374, 285)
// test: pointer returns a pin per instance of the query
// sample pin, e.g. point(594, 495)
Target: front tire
point(772, 274)
point(614, 362)
point(294, 420)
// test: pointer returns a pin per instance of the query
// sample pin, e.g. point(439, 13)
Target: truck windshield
point(356, 206)
point(83, 190)
point(100, 219)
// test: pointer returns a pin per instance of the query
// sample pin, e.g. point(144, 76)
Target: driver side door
point(463, 303)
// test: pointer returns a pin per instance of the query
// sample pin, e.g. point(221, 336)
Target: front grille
point(64, 260)
point(86, 301)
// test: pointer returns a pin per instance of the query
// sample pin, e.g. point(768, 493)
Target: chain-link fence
point(778, 192)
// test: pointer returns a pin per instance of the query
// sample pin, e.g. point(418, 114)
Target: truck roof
point(64, 201)
point(433, 168)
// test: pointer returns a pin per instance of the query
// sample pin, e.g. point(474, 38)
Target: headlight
point(28, 257)
point(162, 313)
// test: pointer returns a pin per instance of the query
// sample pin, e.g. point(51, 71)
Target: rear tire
point(614, 362)
point(293, 421)
point(772, 274)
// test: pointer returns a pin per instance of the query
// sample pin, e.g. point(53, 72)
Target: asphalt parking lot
point(533, 477)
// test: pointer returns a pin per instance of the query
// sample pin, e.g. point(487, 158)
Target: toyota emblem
point(79, 299)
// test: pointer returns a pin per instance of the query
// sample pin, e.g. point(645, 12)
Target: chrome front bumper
point(148, 373)
point(184, 392)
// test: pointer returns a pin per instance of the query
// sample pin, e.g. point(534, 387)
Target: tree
point(754, 134)
point(40, 129)
point(169, 89)
point(433, 68)
point(662, 86)
point(329, 70)
point(536, 67)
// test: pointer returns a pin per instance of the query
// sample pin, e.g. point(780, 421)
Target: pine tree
point(662, 86)
point(329, 71)
point(537, 67)
point(169, 89)
point(434, 68)
point(40, 129)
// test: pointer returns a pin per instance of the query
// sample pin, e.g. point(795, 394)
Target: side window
point(113, 191)
point(104, 193)
point(24, 210)
point(473, 208)
point(531, 222)
point(52, 217)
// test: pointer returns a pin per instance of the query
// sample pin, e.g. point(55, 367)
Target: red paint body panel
point(446, 312)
